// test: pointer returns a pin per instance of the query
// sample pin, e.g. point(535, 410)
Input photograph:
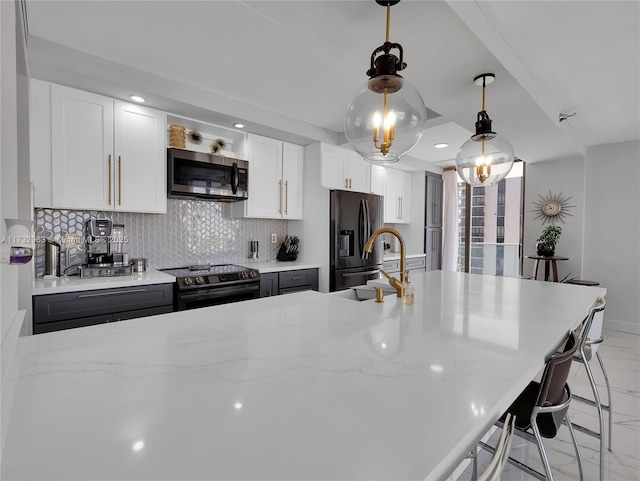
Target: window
point(495, 227)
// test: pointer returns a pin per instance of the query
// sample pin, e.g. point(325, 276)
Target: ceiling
point(287, 69)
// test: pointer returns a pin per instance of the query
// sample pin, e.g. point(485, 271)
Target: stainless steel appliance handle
point(234, 178)
point(102, 294)
point(365, 273)
point(280, 197)
point(367, 220)
point(361, 229)
point(218, 292)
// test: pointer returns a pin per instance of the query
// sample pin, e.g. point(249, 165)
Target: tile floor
point(621, 356)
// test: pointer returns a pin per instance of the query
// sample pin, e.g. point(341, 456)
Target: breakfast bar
point(303, 386)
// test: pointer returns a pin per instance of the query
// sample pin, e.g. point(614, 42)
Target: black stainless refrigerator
point(354, 217)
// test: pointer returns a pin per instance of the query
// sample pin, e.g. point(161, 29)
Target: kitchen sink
point(365, 292)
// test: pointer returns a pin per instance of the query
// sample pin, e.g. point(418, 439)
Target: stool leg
point(535, 269)
point(598, 404)
point(555, 271)
point(609, 409)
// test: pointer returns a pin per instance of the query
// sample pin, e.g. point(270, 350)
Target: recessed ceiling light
point(238, 125)
point(136, 98)
point(441, 145)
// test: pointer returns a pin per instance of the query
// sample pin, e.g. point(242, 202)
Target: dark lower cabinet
point(286, 282)
point(269, 284)
point(55, 312)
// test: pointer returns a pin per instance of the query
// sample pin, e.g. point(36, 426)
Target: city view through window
point(494, 224)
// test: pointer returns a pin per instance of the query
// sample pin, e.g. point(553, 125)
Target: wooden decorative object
point(176, 136)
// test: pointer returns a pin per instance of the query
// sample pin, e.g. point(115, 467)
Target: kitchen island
point(303, 386)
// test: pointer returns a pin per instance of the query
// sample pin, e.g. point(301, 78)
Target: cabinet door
point(140, 162)
point(433, 200)
point(404, 193)
point(292, 190)
point(391, 200)
point(333, 169)
point(269, 284)
point(433, 248)
point(378, 177)
point(265, 177)
point(40, 142)
point(82, 149)
point(358, 173)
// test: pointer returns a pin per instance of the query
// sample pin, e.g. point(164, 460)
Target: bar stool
point(590, 338)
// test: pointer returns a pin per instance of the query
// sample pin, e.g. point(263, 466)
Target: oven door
point(214, 296)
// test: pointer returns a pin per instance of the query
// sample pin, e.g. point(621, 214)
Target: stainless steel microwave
point(206, 176)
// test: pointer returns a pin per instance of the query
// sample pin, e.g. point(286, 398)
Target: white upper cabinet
point(343, 169)
point(275, 180)
point(397, 197)
point(81, 149)
point(378, 178)
point(140, 184)
point(105, 154)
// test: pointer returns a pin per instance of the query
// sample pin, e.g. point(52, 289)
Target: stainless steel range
point(211, 285)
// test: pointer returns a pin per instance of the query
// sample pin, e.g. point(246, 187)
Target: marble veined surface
point(302, 386)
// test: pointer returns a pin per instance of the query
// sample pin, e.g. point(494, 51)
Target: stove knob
point(199, 280)
point(243, 275)
point(222, 277)
point(252, 274)
point(187, 281)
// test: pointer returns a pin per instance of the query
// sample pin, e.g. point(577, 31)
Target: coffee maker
point(97, 236)
point(104, 244)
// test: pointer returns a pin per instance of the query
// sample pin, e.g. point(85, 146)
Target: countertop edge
point(396, 255)
point(59, 285)
point(279, 266)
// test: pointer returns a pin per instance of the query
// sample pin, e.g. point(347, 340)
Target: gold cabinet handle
point(350, 186)
point(401, 209)
point(346, 183)
point(109, 168)
point(286, 197)
point(280, 197)
point(119, 180)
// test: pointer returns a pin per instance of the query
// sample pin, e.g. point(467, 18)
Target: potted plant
point(546, 243)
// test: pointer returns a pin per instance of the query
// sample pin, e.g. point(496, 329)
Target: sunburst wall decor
point(551, 208)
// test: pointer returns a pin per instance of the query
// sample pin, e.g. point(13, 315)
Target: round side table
point(550, 266)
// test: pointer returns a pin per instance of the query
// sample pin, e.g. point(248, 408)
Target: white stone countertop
point(278, 266)
point(58, 285)
point(307, 386)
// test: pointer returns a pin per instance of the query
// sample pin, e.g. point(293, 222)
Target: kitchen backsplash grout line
point(191, 232)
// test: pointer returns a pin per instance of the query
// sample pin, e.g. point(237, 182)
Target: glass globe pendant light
point(386, 117)
point(486, 158)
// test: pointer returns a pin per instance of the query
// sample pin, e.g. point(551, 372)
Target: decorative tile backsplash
point(191, 232)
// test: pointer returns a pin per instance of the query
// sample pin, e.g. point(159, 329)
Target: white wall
point(8, 162)
point(602, 238)
point(566, 176)
point(612, 230)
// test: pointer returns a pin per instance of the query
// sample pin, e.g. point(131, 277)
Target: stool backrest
point(592, 328)
point(553, 386)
